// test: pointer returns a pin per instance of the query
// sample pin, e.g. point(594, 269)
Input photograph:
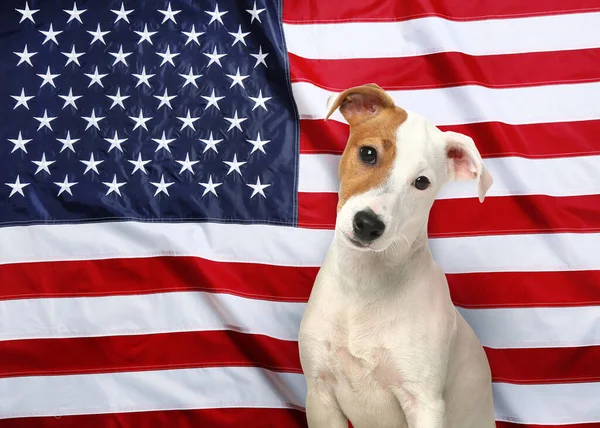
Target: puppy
point(381, 343)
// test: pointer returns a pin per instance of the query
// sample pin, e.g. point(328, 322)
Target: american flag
point(168, 191)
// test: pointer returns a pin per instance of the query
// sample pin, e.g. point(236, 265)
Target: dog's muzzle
point(367, 226)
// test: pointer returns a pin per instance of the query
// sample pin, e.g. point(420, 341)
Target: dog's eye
point(368, 154)
point(422, 183)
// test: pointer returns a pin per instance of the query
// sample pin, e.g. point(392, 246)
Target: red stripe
point(317, 210)
point(525, 289)
point(493, 139)
point(469, 217)
point(109, 277)
point(37, 357)
point(248, 418)
point(242, 417)
point(319, 11)
point(451, 69)
point(545, 365)
point(515, 425)
point(150, 275)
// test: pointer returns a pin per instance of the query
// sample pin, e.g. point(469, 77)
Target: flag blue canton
point(146, 110)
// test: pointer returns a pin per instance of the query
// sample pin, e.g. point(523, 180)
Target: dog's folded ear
point(465, 163)
point(359, 103)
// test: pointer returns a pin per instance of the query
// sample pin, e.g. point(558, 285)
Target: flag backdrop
point(168, 192)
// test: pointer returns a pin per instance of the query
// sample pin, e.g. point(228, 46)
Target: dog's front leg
point(428, 416)
point(322, 411)
point(421, 412)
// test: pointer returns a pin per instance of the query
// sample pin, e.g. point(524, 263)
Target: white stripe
point(471, 103)
point(529, 252)
point(214, 388)
point(146, 314)
point(218, 242)
point(535, 327)
point(53, 318)
point(429, 35)
point(222, 387)
point(283, 246)
point(567, 176)
point(547, 404)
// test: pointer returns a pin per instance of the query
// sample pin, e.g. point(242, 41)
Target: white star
point(27, 13)
point(115, 142)
point(214, 57)
point(187, 164)
point(65, 186)
point(239, 36)
point(45, 121)
point(26, 56)
point(254, 12)
point(210, 186)
point(113, 186)
point(120, 56)
point(22, 99)
point(165, 99)
point(216, 15)
point(188, 121)
point(48, 77)
point(118, 99)
point(258, 188)
point(145, 35)
point(210, 143)
point(258, 144)
point(190, 78)
point(70, 98)
point(143, 78)
point(122, 14)
point(212, 100)
point(167, 56)
point(192, 35)
point(96, 78)
point(235, 121)
point(260, 101)
point(237, 79)
point(98, 35)
point(50, 35)
point(68, 142)
point(93, 120)
point(234, 165)
point(43, 164)
point(163, 143)
point(140, 121)
point(91, 165)
point(17, 187)
point(73, 56)
point(139, 164)
point(162, 186)
point(75, 13)
point(169, 14)
point(260, 57)
point(19, 143)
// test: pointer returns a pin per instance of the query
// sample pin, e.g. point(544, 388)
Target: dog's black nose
point(367, 226)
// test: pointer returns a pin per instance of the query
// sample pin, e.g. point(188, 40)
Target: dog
point(381, 343)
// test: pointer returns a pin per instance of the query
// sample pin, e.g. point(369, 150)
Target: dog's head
point(393, 165)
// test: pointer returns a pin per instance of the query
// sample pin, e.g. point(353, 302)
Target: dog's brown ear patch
point(374, 119)
point(359, 103)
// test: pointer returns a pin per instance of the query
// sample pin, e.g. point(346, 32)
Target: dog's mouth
point(353, 242)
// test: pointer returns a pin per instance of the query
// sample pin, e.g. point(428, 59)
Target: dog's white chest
point(355, 362)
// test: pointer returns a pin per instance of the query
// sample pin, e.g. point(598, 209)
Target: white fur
point(380, 341)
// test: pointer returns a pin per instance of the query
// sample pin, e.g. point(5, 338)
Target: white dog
point(381, 343)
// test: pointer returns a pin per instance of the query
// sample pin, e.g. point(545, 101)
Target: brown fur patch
point(379, 132)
